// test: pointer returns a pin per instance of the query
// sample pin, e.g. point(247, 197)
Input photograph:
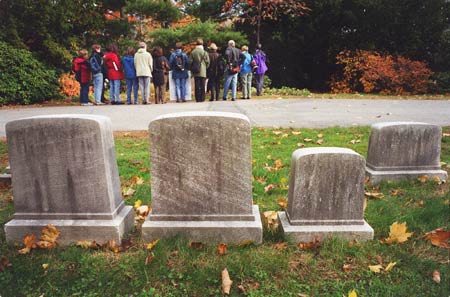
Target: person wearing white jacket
point(143, 63)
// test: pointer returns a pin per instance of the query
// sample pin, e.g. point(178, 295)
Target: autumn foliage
point(68, 85)
point(372, 72)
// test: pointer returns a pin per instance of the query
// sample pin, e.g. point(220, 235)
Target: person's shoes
point(119, 103)
point(99, 103)
point(113, 102)
point(178, 100)
point(211, 100)
point(129, 103)
point(87, 104)
point(136, 102)
point(144, 102)
point(233, 99)
point(248, 98)
point(183, 100)
point(224, 99)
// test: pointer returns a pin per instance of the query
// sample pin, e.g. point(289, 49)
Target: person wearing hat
point(214, 72)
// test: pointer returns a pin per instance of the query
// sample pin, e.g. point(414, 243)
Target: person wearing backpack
point(115, 73)
point(232, 69)
point(260, 61)
point(96, 63)
point(214, 72)
point(130, 75)
point(199, 60)
point(179, 63)
point(160, 66)
point(143, 62)
point(246, 72)
point(83, 75)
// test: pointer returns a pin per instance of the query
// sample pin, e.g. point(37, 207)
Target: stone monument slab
point(201, 178)
point(326, 195)
point(64, 173)
point(402, 150)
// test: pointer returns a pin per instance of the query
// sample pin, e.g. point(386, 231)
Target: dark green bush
point(440, 83)
point(23, 79)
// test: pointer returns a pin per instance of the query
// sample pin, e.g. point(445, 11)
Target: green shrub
point(440, 83)
point(23, 79)
point(286, 91)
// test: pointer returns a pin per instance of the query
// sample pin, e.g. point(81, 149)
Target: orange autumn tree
point(257, 10)
point(372, 72)
point(68, 86)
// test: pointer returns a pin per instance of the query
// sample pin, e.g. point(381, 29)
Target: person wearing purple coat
point(260, 60)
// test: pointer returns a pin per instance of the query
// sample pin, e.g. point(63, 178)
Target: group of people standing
point(141, 68)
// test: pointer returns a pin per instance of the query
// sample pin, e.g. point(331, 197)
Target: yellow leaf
point(137, 203)
point(143, 210)
point(390, 266)
point(87, 244)
point(352, 294)
point(282, 202)
point(29, 242)
point(111, 245)
point(320, 135)
point(375, 268)
point(320, 141)
point(300, 144)
point(45, 266)
point(374, 195)
point(139, 181)
point(152, 244)
point(271, 219)
point(423, 178)
point(245, 243)
point(277, 132)
point(307, 139)
point(49, 235)
point(128, 192)
point(398, 233)
point(296, 132)
point(226, 282)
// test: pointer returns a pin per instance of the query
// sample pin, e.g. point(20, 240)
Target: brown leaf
point(300, 144)
point(347, 267)
point(445, 134)
point(374, 195)
point(4, 262)
point(398, 192)
point(49, 235)
point(270, 218)
point(87, 244)
point(226, 282)
point(241, 288)
point(136, 162)
point(282, 202)
point(310, 245)
point(222, 249)
point(245, 243)
point(280, 245)
point(149, 259)
point(436, 276)
point(29, 242)
point(320, 141)
point(126, 244)
point(439, 237)
point(270, 187)
point(111, 245)
point(423, 178)
point(196, 245)
point(379, 259)
point(307, 139)
point(261, 180)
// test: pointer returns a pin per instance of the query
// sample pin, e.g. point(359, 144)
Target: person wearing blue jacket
point(130, 75)
point(179, 63)
point(246, 73)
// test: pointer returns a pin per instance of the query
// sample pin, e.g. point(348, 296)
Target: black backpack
point(179, 62)
point(77, 73)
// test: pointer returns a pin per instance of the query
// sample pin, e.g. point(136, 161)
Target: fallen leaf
point(45, 266)
point(87, 244)
point(277, 132)
point(280, 245)
point(282, 202)
point(354, 141)
point(320, 135)
point(261, 180)
point(152, 244)
point(142, 211)
point(128, 192)
point(300, 144)
point(111, 245)
point(226, 282)
point(379, 259)
point(397, 192)
point(269, 188)
point(49, 235)
point(137, 203)
point(29, 242)
point(245, 243)
point(270, 218)
point(196, 245)
point(149, 259)
point(347, 267)
point(296, 132)
point(445, 134)
point(136, 162)
point(439, 237)
point(423, 178)
point(241, 289)
point(307, 139)
point(436, 276)
point(398, 233)
point(390, 266)
point(375, 268)
point(278, 164)
point(144, 169)
point(126, 244)
point(222, 249)
point(352, 294)
point(284, 135)
point(319, 141)
point(310, 245)
point(4, 262)
point(137, 180)
point(374, 195)
point(437, 180)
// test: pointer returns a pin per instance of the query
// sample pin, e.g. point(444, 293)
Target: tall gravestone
point(402, 150)
point(64, 173)
point(326, 195)
point(201, 178)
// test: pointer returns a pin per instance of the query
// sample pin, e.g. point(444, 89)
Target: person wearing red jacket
point(115, 73)
point(83, 75)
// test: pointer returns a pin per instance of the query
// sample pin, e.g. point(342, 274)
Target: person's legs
point(202, 81)
point(234, 86)
point(217, 87)
point(112, 84)
point(183, 89)
point(98, 87)
point(117, 90)
point(244, 85)
point(135, 89)
point(249, 85)
point(147, 89)
point(163, 93)
point(129, 87)
point(259, 84)
point(84, 93)
point(226, 86)
point(178, 89)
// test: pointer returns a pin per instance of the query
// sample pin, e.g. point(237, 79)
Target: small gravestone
point(402, 150)
point(201, 178)
point(326, 195)
point(64, 173)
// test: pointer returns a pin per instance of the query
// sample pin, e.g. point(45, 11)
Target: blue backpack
point(95, 67)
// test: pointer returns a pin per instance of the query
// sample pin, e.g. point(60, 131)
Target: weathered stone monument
point(402, 150)
point(326, 195)
point(201, 178)
point(64, 173)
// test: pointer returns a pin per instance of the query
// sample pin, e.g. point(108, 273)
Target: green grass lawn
point(181, 270)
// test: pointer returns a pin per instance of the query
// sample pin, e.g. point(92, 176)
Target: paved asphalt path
point(298, 113)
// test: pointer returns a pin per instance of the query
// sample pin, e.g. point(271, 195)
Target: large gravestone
point(64, 173)
point(402, 150)
point(326, 195)
point(201, 178)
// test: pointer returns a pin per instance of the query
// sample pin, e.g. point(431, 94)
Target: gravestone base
point(206, 231)
point(99, 231)
point(308, 233)
point(5, 178)
point(376, 176)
